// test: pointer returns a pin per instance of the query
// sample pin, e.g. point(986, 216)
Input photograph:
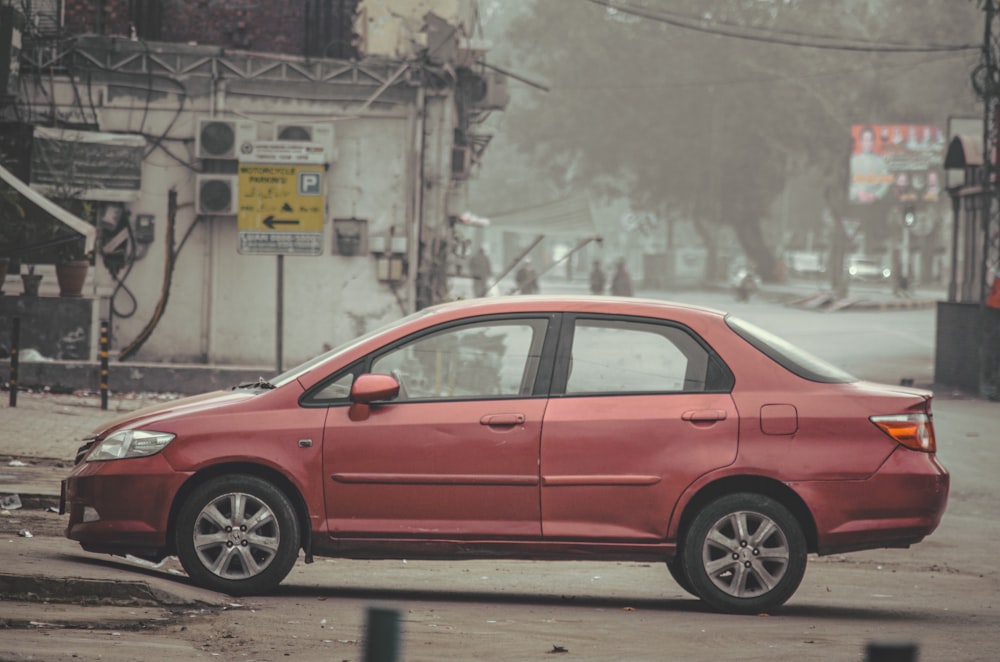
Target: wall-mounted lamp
point(350, 235)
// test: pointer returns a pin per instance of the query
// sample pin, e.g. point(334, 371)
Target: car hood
point(148, 416)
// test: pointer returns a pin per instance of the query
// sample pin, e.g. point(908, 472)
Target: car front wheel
point(744, 553)
point(237, 534)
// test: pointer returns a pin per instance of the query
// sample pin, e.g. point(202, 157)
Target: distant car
point(867, 269)
point(590, 428)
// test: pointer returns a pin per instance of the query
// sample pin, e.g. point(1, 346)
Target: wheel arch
point(769, 487)
point(278, 479)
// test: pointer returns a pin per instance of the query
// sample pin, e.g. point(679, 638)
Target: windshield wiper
point(260, 383)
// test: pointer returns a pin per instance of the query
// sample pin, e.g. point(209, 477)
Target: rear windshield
point(794, 359)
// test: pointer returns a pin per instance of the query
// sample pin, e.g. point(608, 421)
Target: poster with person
point(896, 163)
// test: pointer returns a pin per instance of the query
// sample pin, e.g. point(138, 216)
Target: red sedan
point(534, 428)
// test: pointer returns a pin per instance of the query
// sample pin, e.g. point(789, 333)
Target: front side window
point(618, 356)
point(494, 359)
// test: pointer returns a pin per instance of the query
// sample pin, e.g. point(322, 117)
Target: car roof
point(572, 303)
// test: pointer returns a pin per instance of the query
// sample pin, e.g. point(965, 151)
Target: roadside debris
point(24, 533)
point(10, 502)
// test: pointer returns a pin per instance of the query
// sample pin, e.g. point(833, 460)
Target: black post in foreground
point(382, 635)
point(15, 344)
point(891, 651)
point(104, 363)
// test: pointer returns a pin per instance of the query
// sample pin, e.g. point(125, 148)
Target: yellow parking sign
point(281, 209)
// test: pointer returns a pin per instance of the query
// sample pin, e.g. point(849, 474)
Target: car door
point(455, 454)
point(639, 409)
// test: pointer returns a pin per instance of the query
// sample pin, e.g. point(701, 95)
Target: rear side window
point(794, 359)
point(614, 356)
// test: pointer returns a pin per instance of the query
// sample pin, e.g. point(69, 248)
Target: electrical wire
point(781, 38)
point(168, 274)
point(130, 258)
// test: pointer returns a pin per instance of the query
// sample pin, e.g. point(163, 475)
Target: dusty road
point(942, 595)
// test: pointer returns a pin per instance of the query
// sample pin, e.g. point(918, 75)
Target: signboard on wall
point(896, 163)
point(281, 209)
point(87, 165)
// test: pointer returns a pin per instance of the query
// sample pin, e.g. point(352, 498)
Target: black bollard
point(15, 343)
point(382, 635)
point(891, 651)
point(104, 364)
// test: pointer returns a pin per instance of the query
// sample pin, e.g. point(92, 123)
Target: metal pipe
point(956, 209)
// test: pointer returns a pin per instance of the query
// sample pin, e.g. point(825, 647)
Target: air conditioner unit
point(216, 195)
point(321, 134)
point(223, 139)
point(461, 161)
point(495, 96)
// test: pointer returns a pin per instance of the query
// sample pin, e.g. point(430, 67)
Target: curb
point(826, 302)
point(44, 569)
point(118, 592)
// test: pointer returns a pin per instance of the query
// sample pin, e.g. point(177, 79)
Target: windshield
point(297, 371)
point(794, 359)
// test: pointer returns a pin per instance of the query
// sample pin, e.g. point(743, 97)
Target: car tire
point(744, 553)
point(237, 534)
point(676, 568)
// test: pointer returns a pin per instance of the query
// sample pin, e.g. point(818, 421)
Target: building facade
point(214, 256)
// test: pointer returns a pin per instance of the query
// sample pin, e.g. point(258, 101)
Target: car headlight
point(129, 443)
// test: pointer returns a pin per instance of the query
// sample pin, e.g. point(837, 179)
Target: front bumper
point(899, 505)
point(122, 506)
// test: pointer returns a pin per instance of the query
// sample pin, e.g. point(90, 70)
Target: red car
point(532, 428)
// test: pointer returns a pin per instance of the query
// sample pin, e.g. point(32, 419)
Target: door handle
point(704, 415)
point(500, 420)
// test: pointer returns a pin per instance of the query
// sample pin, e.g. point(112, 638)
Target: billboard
point(896, 163)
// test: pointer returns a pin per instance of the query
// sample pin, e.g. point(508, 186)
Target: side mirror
point(369, 388)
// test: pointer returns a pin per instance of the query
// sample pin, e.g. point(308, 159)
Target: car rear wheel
point(237, 534)
point(744, 553)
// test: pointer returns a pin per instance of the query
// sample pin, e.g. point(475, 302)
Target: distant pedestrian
point(621, 282)
point(481, 271)
point(526, 278)
point(597, 278)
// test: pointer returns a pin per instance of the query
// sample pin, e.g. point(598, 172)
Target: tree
point(695, 120)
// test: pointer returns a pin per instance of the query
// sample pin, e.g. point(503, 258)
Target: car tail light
point(914, 431)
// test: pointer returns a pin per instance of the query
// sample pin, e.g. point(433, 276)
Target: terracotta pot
point(71, 276)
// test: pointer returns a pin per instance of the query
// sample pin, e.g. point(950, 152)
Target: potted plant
point(31, 282)
point(71, 267)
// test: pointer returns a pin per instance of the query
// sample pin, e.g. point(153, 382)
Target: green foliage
point(29, 235)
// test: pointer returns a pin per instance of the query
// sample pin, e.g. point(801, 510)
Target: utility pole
point(986, 82)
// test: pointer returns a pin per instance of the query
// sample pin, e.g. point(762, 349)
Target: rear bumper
point(122, 506)
point(899, 505)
